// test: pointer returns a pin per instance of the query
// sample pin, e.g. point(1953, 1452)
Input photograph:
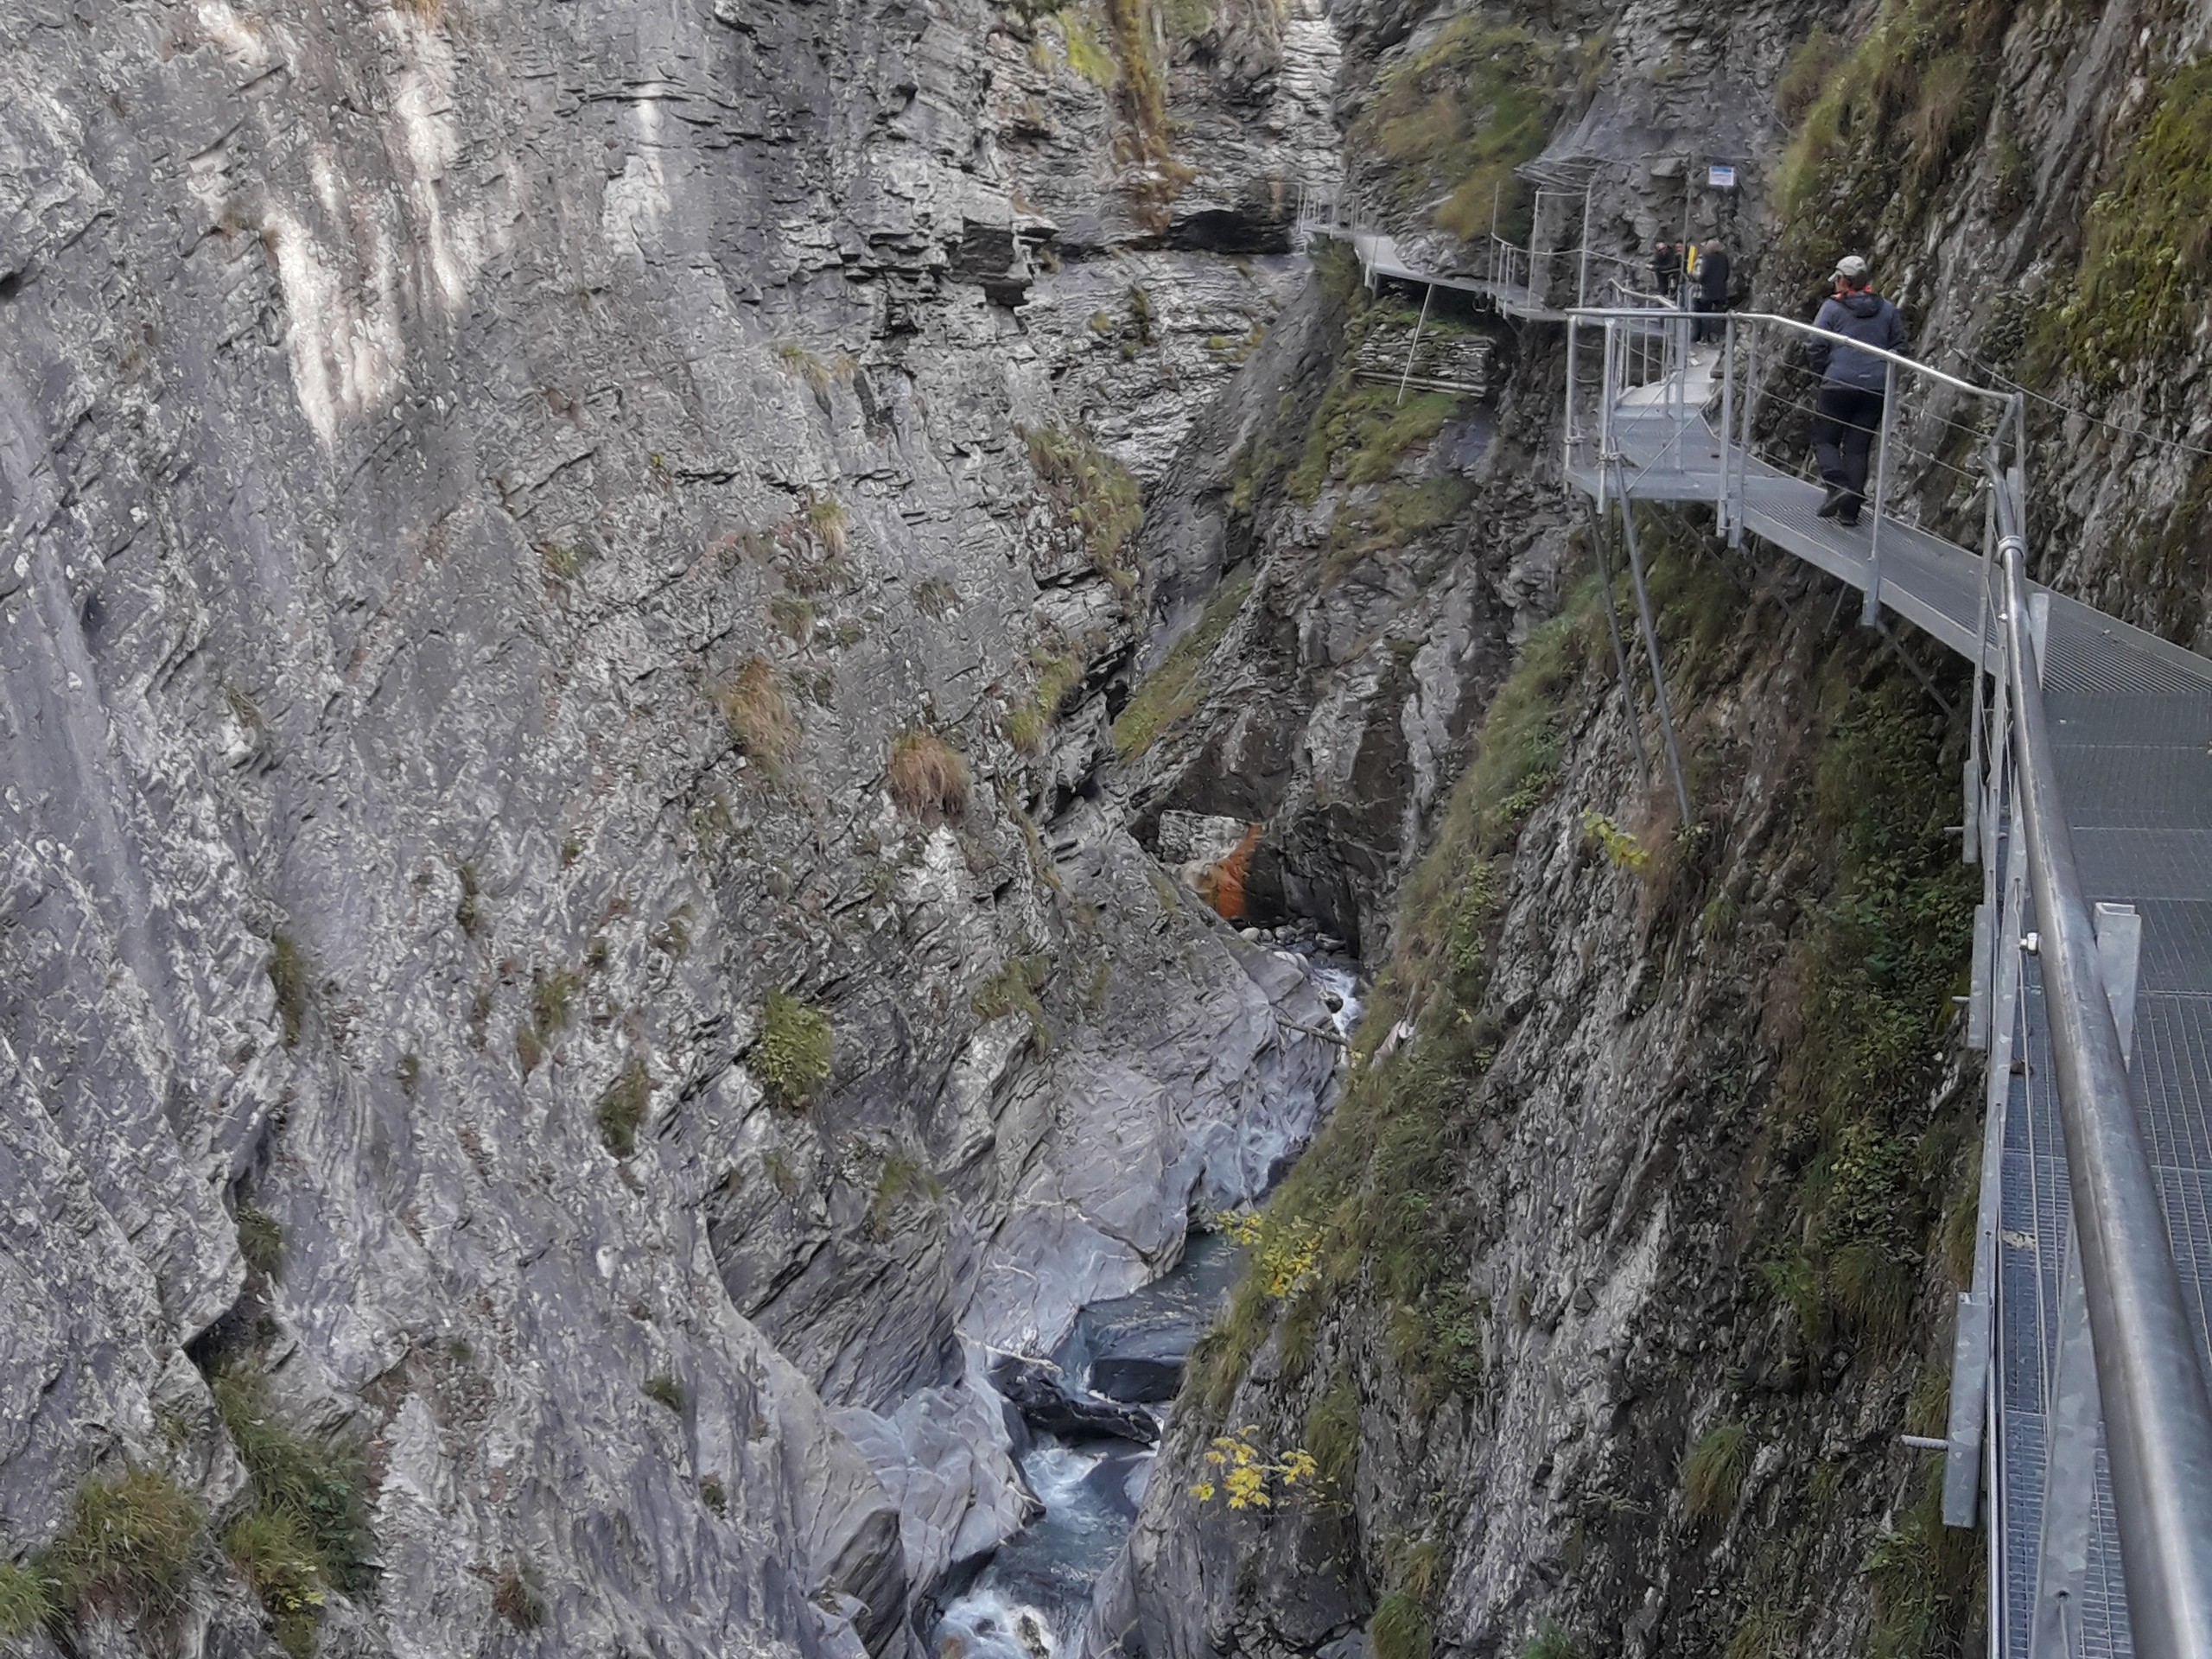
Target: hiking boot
point(1831, 503)
point(1848, 518)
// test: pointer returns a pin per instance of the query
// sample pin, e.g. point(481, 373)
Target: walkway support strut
point(1651, 651)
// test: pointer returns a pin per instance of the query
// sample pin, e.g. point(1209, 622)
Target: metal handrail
point(2158, 1412)
point(2004, 398)
point(2151, 1374)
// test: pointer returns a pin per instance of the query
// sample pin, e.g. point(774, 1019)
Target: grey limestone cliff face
point(491, 495)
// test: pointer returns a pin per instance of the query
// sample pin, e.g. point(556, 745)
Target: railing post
point(1569, 433)
point(1611, 391)
point(1727, 420)
point(1750, 434)
point(1582, 279)
point(1871, 611)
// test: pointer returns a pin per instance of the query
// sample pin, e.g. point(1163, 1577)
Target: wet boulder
point(1042, 1394)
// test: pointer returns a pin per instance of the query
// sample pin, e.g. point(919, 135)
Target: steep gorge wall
point(530, 533)
point(1602, 1301)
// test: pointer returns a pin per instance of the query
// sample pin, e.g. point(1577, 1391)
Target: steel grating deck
point(2130, 723)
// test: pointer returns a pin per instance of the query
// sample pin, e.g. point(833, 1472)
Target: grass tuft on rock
point(513, 1600)
point(1713, 1474)
point(623, 1109)
point(793, 1055)
point(1402, 1629)
point(26, 1605)
point(319, 1483)
point(928, 779)
point(758, 717)
point(1173, 692)
point(663, 1389)
point(2141, 293)
point(1368, 1202)
point(1454, 121)
point(129, 1546)
point(1090, 489)
point(275, 1556)
point(261, 1242)
point(288, 978)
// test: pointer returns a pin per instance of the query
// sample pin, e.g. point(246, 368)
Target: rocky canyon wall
point(561, 985)
point(1591, 1322)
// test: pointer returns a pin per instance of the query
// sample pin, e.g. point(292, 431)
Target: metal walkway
point(2088, 805)
point(1541, 282)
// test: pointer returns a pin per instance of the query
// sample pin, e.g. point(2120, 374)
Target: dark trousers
point(1705, 305)
point(1843, 434)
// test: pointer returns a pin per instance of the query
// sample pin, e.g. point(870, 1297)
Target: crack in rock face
point(533, 956)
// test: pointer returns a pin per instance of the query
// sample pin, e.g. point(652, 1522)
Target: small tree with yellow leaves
point(1245, 1478)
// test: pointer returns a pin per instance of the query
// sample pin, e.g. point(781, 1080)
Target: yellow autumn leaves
point(1243, 1475)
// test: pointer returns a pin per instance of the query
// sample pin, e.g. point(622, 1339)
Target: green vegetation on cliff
point(2146, 256)
point(1365, 1200)
point(1795, 948)
point(1456, 117)
point(1879, 135)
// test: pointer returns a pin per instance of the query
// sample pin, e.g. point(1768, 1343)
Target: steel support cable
point(2150, 1375)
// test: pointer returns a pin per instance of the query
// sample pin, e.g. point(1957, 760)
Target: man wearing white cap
point(1851, 383)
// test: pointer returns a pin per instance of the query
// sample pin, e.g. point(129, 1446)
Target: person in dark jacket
point(1667, 268)
point(1712, 286)
point(1850, 410)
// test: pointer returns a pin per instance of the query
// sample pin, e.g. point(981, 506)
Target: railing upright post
point(1970, 832)
point(1727, 420)
point(1582, 279)
point(1871, 611)
point(1566, 464)
point(1750, 430)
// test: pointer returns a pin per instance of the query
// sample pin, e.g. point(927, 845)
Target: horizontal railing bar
point(1595, 313)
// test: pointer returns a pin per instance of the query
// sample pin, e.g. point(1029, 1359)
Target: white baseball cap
point(1851, 268)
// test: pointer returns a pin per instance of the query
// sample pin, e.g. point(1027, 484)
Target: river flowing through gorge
point(1031, 1597)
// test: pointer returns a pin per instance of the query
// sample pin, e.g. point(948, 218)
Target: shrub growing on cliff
point(793, 1055)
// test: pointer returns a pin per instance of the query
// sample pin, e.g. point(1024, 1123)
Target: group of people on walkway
point(1848, 409)
point(1703, 266)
